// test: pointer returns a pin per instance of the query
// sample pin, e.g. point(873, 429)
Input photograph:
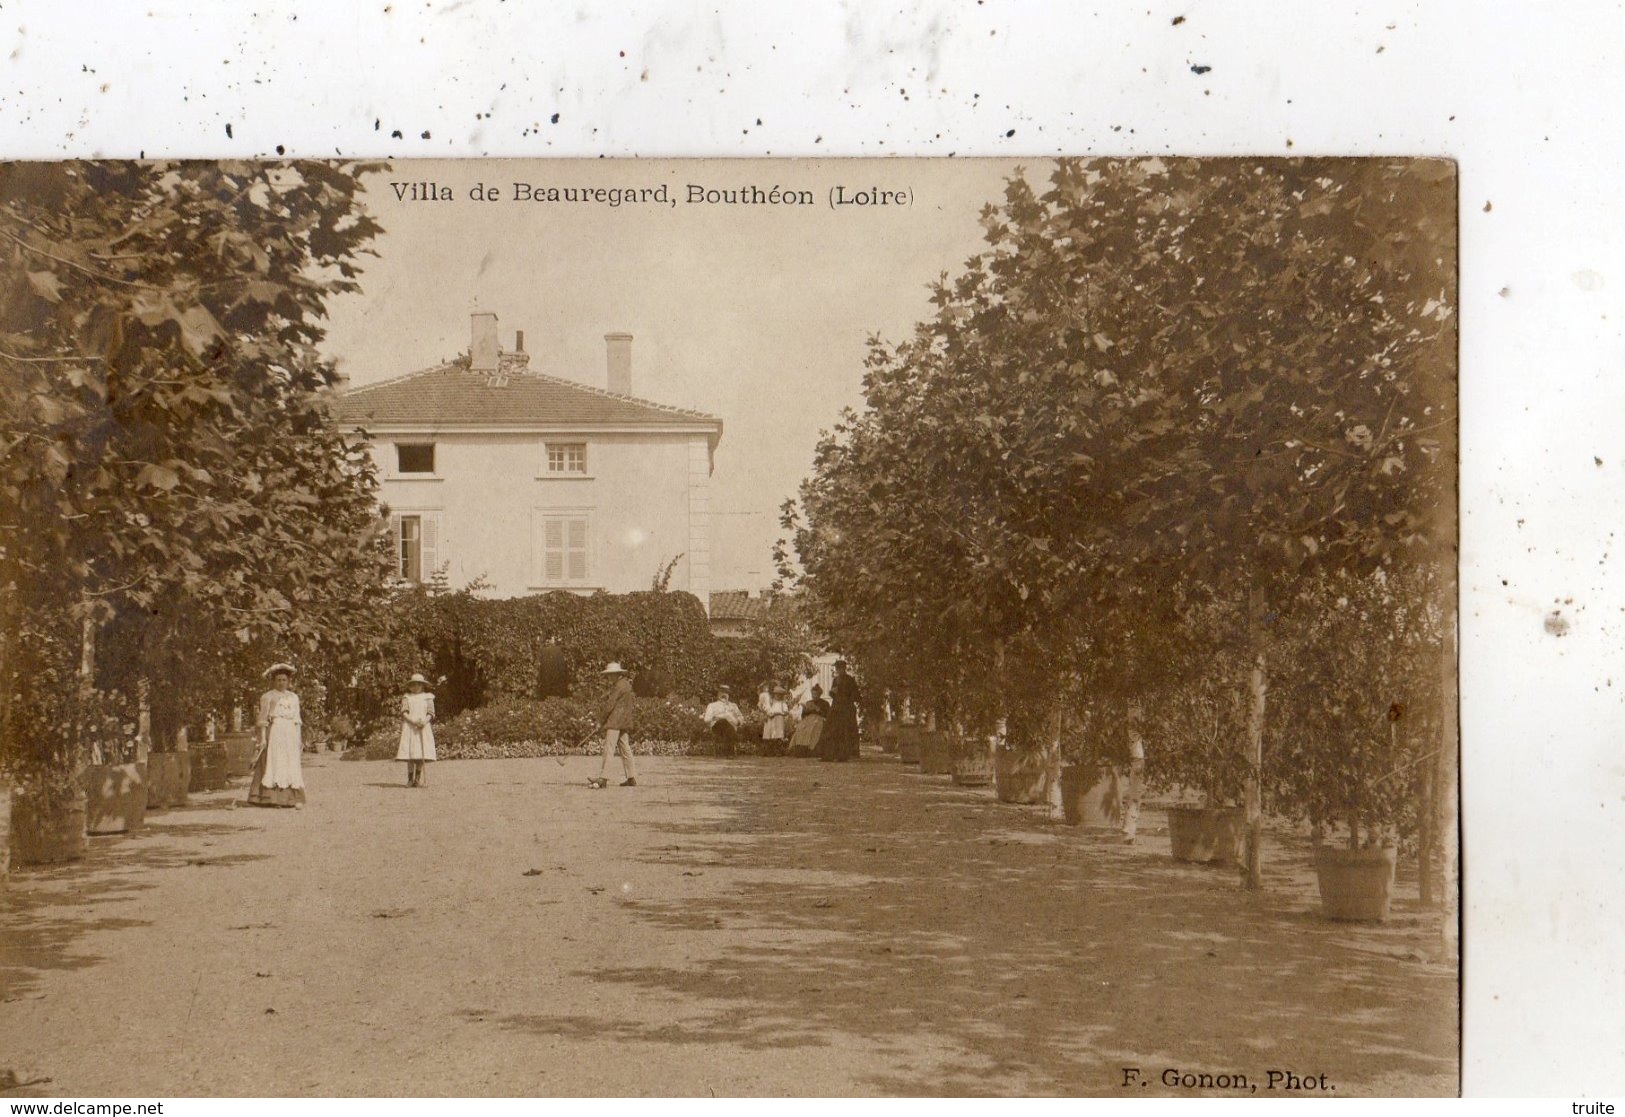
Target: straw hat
point(417, 677)
point(615, 669)
point(278, 669)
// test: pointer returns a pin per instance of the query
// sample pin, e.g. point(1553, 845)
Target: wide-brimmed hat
point(417, 677)
point(614, 669)
point(278, 669)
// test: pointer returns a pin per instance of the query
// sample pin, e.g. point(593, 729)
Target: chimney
point(482, 347)
point(618, 350)
point(519, 341)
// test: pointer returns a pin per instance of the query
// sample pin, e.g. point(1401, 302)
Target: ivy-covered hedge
point(484, 655)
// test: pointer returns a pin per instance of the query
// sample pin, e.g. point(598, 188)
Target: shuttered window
point(562, 548)
point(417, 544)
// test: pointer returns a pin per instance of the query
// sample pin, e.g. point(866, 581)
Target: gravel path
point(740, 927)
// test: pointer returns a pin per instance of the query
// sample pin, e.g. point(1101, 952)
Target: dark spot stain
point(554, 119)
point(280, 150)
point(376, 124)
point(1556, 623)
point(395, 135)
point(1178, 20)
point(1200, 69)
point(1598, 461)
point(1488, 207)
point(228, 131)
point(1010, 133)
point(425, 133)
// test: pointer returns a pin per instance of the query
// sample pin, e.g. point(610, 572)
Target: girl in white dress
point(775, 716)
point(278, 780)
point(417, 735)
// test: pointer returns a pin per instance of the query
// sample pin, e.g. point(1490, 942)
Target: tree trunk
point(1448, 797)
point(1425, 835)
point(1255, 740)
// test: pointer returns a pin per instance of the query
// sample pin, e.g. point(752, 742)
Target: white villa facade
point(530, 483)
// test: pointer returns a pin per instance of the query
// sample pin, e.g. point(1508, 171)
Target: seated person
point(723, 719)
point(810, 723)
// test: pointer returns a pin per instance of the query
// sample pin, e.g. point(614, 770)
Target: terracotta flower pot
point(937, 751)
point(168, 774)
point(1021, 777)
point(115, 797)
point(1208, 834)
point(46, 833)
point(1355, 884)
point(1092, 795)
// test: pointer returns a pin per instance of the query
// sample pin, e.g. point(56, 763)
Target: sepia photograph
point(842, 627)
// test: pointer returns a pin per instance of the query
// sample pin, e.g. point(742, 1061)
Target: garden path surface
point(736, 927)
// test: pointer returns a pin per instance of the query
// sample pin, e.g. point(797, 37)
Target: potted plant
point(43, 756)
point(1094, 758)
point(1025, 759)
point(210, 761)
point(1363, 697)
point(973, 760)
point(115, 779)
point(938, 750)
point(1194, 741)
point(48, 817)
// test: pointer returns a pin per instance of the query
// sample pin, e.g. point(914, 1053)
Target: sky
point(756, 313)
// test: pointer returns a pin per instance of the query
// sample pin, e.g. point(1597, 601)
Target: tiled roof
point(451, 395)
point(738, 605)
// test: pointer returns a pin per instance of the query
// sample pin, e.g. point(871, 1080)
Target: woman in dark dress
point(840, 737)
point(810, 724)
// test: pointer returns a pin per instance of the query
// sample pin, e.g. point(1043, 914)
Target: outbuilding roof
point(739, 605)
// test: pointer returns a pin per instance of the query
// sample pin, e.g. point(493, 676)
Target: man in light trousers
point(617, 727)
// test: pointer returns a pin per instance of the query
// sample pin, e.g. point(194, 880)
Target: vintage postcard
point(874, 628)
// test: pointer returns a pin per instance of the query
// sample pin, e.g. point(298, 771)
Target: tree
point(168, 467)
point(1162, 380)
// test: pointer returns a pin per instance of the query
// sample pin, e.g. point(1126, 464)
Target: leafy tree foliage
point(1162, 385)
point(168, 465)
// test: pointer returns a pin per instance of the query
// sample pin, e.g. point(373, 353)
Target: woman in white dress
point(278, 780)
point(417, 735)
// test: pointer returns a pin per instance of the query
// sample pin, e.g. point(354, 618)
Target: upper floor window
point(567, 457)
point(414, 457)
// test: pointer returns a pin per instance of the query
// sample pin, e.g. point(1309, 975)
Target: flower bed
point(518, 728)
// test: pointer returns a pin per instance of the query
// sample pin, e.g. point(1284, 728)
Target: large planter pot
point(209, 771)
point(973, 763)
point(43, 834)
point(1355, 884)
point(168, 775)
point(886, 736)
point(1209, 834)
point(1092, 795)
point(908, 744)
point(937, 751)
point(241, 749)
point(115, 797)
point(1021, 777)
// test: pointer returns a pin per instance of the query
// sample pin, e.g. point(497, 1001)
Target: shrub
point(524, 727)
